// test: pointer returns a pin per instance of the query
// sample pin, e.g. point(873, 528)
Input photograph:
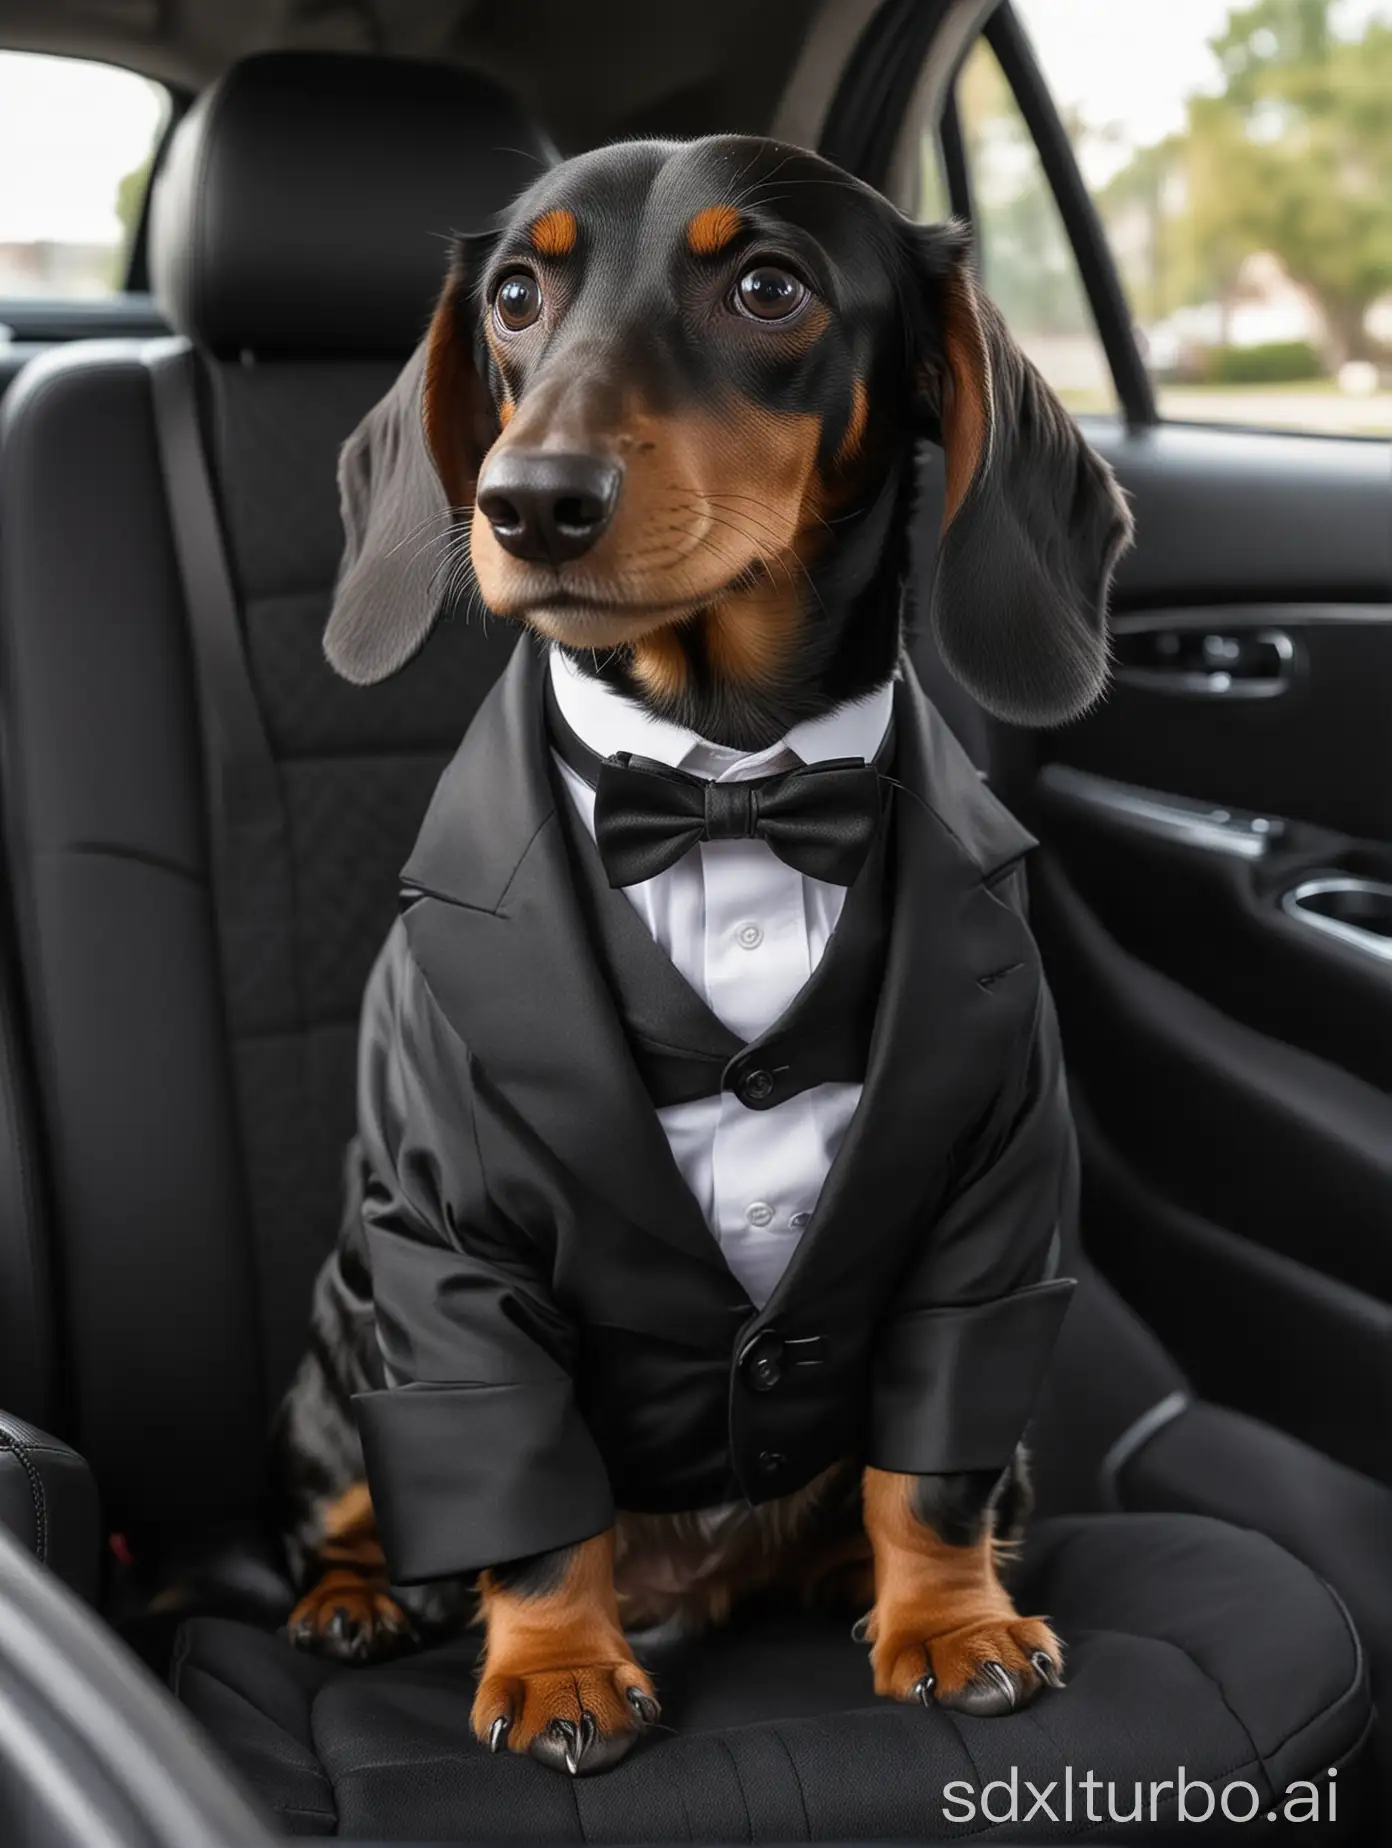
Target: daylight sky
point(68, 130)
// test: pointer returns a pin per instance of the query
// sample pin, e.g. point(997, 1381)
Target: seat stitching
point(36, 1492)
point(797, 1776)
point(1304, 1726)
point(212, 1674)
point(1347, 1692)
point(739, 1785)
point(686, 1813)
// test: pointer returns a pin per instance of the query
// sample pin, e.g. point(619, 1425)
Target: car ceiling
point(587, 72)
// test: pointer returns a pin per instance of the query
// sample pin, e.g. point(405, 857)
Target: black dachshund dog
point(666, 418)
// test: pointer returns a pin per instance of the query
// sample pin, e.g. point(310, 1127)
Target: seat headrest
point(306, 199)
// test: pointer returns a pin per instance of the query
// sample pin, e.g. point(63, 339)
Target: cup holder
point(1356, 912)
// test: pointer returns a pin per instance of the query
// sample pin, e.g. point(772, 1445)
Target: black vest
point(682, 1049)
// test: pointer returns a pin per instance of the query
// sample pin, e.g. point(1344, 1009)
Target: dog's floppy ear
point(1033, 521)
point(405, 477)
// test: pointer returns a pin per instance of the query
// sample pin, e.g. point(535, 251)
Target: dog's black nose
point(548, 507)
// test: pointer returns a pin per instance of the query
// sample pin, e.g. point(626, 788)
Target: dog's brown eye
point(769, 294)
point(518, 301)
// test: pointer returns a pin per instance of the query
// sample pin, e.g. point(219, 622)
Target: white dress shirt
point(746, 931)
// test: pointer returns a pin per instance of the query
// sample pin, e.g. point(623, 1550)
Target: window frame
point(1097, 270)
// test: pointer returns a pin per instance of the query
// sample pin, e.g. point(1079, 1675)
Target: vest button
point(762, 1362)
point(756, 1087)
point(771, 1463)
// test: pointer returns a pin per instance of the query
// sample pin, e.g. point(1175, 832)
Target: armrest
point(49, 1501)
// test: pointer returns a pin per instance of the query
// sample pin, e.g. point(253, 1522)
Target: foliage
point(130, 199)
point(1276, 362)
point(1293, 156)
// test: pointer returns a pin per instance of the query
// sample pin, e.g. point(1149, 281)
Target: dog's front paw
point(351, 1617)
point(577, 1720)
point(989, 1666)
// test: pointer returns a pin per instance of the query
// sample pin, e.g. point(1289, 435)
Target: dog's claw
point(999, 1674)
point(922, 1689)
point(498, 1732)
point(567, 1736)
point(644, 1706)
point(860, 1629)
point(345, 1633)
point(1046, 1668)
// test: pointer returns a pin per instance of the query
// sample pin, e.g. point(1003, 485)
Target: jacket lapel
point(496, 929)
point(961, 985)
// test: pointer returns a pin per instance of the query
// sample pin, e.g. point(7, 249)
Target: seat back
point(196, 1084)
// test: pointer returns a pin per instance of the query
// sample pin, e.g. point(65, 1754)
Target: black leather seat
point(1190, 1643)
point(195, 1084)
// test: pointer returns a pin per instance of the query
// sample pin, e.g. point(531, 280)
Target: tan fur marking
point(505, 411)
point(855, 425)
point(557, 1654)
point(709, 495)
point(456, 412)
point(352, 1580)
point(966, 419)
point(749, 636)
point(659, 663)
point(554, 233)
point(712, 228)
point(939, 1609)
point(350, 1516)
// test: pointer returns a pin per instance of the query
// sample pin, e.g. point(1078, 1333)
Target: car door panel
point(1252, 1328)
point(1250, 514)
point(1231, 1057)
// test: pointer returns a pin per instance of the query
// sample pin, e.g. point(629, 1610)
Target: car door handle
point(1239, 832)
point(1209, 663)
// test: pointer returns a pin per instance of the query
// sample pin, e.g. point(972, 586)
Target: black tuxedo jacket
point(559, 1331)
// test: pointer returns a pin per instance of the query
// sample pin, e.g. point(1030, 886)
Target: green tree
point(130, 199)
point(1294, 156)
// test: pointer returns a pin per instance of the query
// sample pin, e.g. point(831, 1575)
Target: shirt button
point(771, 1463)
point(749, 936)
point(759, 1214)
point(799, 1220)
point(756, 1087)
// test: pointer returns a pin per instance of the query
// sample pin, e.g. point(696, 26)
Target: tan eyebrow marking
point(554, 233)
point(713, 227)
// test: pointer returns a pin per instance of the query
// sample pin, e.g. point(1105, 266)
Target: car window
point(1023, 253)
point(76, 143)
point(1240, 158)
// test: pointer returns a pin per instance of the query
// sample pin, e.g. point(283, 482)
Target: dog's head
point(670, 406)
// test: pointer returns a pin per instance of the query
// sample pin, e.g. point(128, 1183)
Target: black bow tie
point(821, 819)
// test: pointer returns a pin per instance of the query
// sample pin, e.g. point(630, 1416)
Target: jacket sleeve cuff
point(465, 1477)
point(954, 1386)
